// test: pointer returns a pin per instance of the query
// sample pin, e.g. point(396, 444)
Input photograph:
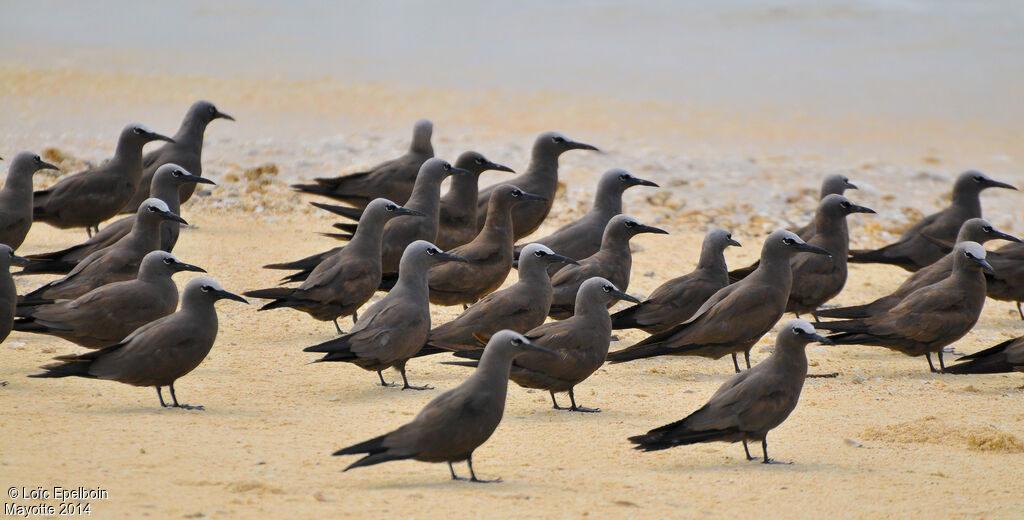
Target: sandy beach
point(884, 439)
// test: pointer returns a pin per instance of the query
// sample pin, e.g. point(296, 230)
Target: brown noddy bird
point(457, 422)
point(540, 177)
point(832, 184)
point(735, 317)
point(520, 307)
point(488, 257)
point(160, 352)
point(89, 197)
point(749, 404)
point(111, 264)
point(580, 342)
point(166, 186)
point(613, 261)
point(186, 151)
point(914, 251)
point(677, 299)
point(107, 314)
point(456, 223)
point(929, 318)
point(392, 180)
point(582, 237)
point(395, 328)
point(345, 281)
point(1007, 282)
point(8, 291)
point(398, 234)
point(973, 230)
point(1007, 356)
point(16, 198)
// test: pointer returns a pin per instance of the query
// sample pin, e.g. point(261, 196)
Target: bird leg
point(337, 327)
point(747, 450)
point(942, 366)
point(88, 231)
point(410, 387)
point(816, 318)
point(380, 374)
point(454, 476)
point(735, 363)
point(465, 307)
point(746, 357)
point(555, 402)
point(928, 356)
point(1019, 311)
point(764, 448)
point(182, 406)
point(574, 408)
point(472, 473)
point(160, 394)
point(355, 317)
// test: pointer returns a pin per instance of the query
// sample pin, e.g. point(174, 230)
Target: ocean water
point(952, 60)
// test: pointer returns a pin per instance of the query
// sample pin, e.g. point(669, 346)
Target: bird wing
point(929, 314)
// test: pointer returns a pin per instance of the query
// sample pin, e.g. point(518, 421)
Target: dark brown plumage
point(1007, 356)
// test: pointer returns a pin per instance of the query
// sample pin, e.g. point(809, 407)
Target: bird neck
point(615, 244)
point(426, 195)
point(594, 311)
point(168, 194)
point(968, 200)
point(492, 372)
point(463, 190)
point(608, 201)
point(776, 268)
point(543, 168)
point(369, 237)
point(412, 280)
point(18, 183)
point(791, 356)
point(498, 223)
point(533, 272)
point(191, 131)
point(712, 257)
point(146, 228)
point(832, 234)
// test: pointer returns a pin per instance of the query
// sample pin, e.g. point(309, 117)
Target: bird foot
point(411, 387)
point(192, 407)
point(484, 481)
point(773, 461)
point(830, 374)
point(581, 409)
point(388, 385)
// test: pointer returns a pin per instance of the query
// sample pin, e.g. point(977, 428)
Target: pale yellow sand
point(884, 439)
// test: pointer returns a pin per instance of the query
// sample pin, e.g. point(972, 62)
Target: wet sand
point(883, 439)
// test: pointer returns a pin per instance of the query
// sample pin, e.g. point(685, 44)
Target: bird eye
point(788, 241)
point(178, 173)
point(517, 193)
point(624, 177)
point(729, 236)
point(631, 223)
point(38, 159)
point(152, 209)
point(799, 331)
point(539, 254)
point(558, 139)
point(213, 109)
point(446, 167)
point(987, 229)
point(968, 254)
point(978, 178)
point(480, 160)
point(517, 341)
point(431, 251)
point(206, 288)
point(844, 204)
point(168, 261)
point(607, 288)
point(137, 130)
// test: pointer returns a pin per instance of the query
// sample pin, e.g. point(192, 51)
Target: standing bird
point(111, 264)
point(749, 404)
point(167, 182)
point(392, 180)
point(457, 422)
point(395, 328)
point(832, 184)
point(8, 291)
point(107, 314)
point(425, 199)
point(915, 250)
point(160, 352)
point(456, 223)
point(16, 198)
point(580, 342)
point(186, 151)
point(735, 317)
point(613, 261)
point(488, 257)
point(929, 318)
point(1007, 356)
point(540, 177)
point(346, 280)
point(1007, 282)
point(87, 198)
point(677, 299)
point(974, 230)
point(582, 237)
point(519, 307)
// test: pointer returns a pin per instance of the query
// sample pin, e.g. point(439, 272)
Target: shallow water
point(955, 60)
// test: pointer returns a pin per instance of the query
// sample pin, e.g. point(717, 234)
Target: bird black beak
point(170, 215)
point(153, 136)
point(533, 196)
point(452, 258)
point(199, 180)
point(43, 165)
point(526, 346)
point(996, 184)
point(458, 171)
point(182, 266)
point(985, 266)
point(19, 260)
point(999, 235)
point(623, 296)
point(644, 228)
point(811, 249)
point(231, 296)
point(563, 259)
point(222, 115)
point(861, 209)
point(850, 186)
point(822, 339)
point(733, 242)
point(575, 145)
point(406, 211)
point(498, 167)
point(643, 182)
